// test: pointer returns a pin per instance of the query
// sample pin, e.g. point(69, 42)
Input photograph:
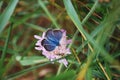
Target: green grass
point(5, 16)
point(93, 27)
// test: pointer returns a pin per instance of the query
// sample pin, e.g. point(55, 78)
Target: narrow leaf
point(5, 16)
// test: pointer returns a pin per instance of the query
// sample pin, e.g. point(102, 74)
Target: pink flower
point(59, 51)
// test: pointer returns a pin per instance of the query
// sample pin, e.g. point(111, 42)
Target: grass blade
point(33, 26)
point(5, 16)
point(97, 47)
point(74, 17)
point(4, 51)
point(48, 13)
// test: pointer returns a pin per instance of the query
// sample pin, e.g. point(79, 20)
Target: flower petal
point(64, 61)
point(37, 37)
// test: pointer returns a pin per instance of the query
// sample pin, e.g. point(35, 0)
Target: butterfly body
point(52, 39)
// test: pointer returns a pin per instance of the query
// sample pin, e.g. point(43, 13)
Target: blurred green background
point(93, 26)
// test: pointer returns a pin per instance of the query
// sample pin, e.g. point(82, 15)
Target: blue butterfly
point(52, 39)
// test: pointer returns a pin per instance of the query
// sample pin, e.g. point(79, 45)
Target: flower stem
point(59, 69)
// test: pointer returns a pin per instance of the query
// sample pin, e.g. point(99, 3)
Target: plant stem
point(4, 51)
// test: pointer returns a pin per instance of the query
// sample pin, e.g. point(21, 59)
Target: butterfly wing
point(52, 37)
point(49, 35)
point(57, 34)
point(48, 45)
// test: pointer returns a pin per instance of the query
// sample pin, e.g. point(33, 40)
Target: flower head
point(53, 44)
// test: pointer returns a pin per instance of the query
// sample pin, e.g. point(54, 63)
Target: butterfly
point(52, 39)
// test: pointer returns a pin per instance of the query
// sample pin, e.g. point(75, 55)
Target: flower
point(59, 51)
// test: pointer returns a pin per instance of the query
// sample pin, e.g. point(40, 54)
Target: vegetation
point(93, 26)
